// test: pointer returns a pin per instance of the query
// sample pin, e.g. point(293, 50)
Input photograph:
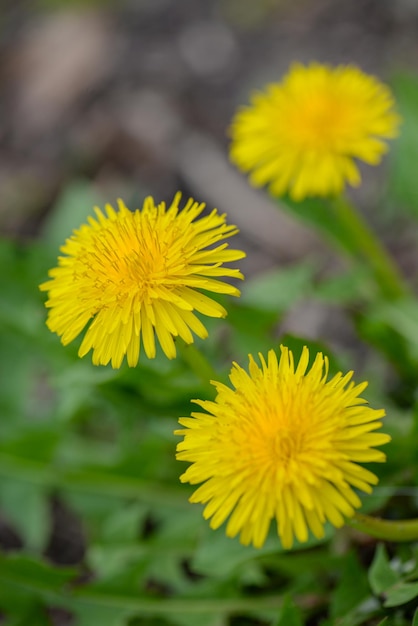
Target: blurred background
point(104, 99)
point(133, 97)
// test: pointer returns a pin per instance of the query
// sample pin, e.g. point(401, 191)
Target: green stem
point(180, 605)
point(386, 273)
point(389, 530)
point(197, 362)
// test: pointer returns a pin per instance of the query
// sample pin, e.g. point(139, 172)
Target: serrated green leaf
point(289, 614)
point(381, 575)
point(352, 589)
point(401, 593)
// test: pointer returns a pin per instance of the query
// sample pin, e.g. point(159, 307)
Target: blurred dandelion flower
point(302, 135)
point(135, 275)
point(283, 444)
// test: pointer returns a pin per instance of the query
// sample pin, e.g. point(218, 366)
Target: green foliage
point(401, 188)
point(278, 290)
point(289, 614)
point(93, 519)
point(392, 584)
point(352, 588)
point(381, 575)
point(102, 441)
point(320, 215)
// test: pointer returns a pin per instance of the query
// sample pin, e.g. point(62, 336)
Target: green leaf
point(28, 572)
point(381, 575)
point(202, 619)
point(124, 523)
point(360, 614)
point(371, 327)
point(23, 613)
point(352, 588)
point(278, 290)
point(20, 604)
point(402, 317)
point(91, 614)
point(252, 331)
point(218, 555)
point(114, 561)
point(35, 443)
point(289, 614)
point(26, 506)
point(401, 593)
point(346, 288)
point(415, 620)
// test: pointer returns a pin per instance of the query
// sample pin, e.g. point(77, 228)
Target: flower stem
point(197, 362)
point(389, 530)
point(386, 273)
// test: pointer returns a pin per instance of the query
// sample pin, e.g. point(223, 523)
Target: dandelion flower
point(284, 444)
point(302, 135)
point(131, 276)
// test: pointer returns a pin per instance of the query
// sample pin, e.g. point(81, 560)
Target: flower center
point(136, 266)
point(143, 269)
point(285, 447)
point(320, 122)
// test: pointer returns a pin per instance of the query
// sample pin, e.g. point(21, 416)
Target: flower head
point(302, 135)
point(284, 444)
point(134, 275)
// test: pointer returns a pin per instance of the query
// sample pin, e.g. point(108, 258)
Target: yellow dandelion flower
point(283, 444)
point(135, 275)
point(301, 136)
